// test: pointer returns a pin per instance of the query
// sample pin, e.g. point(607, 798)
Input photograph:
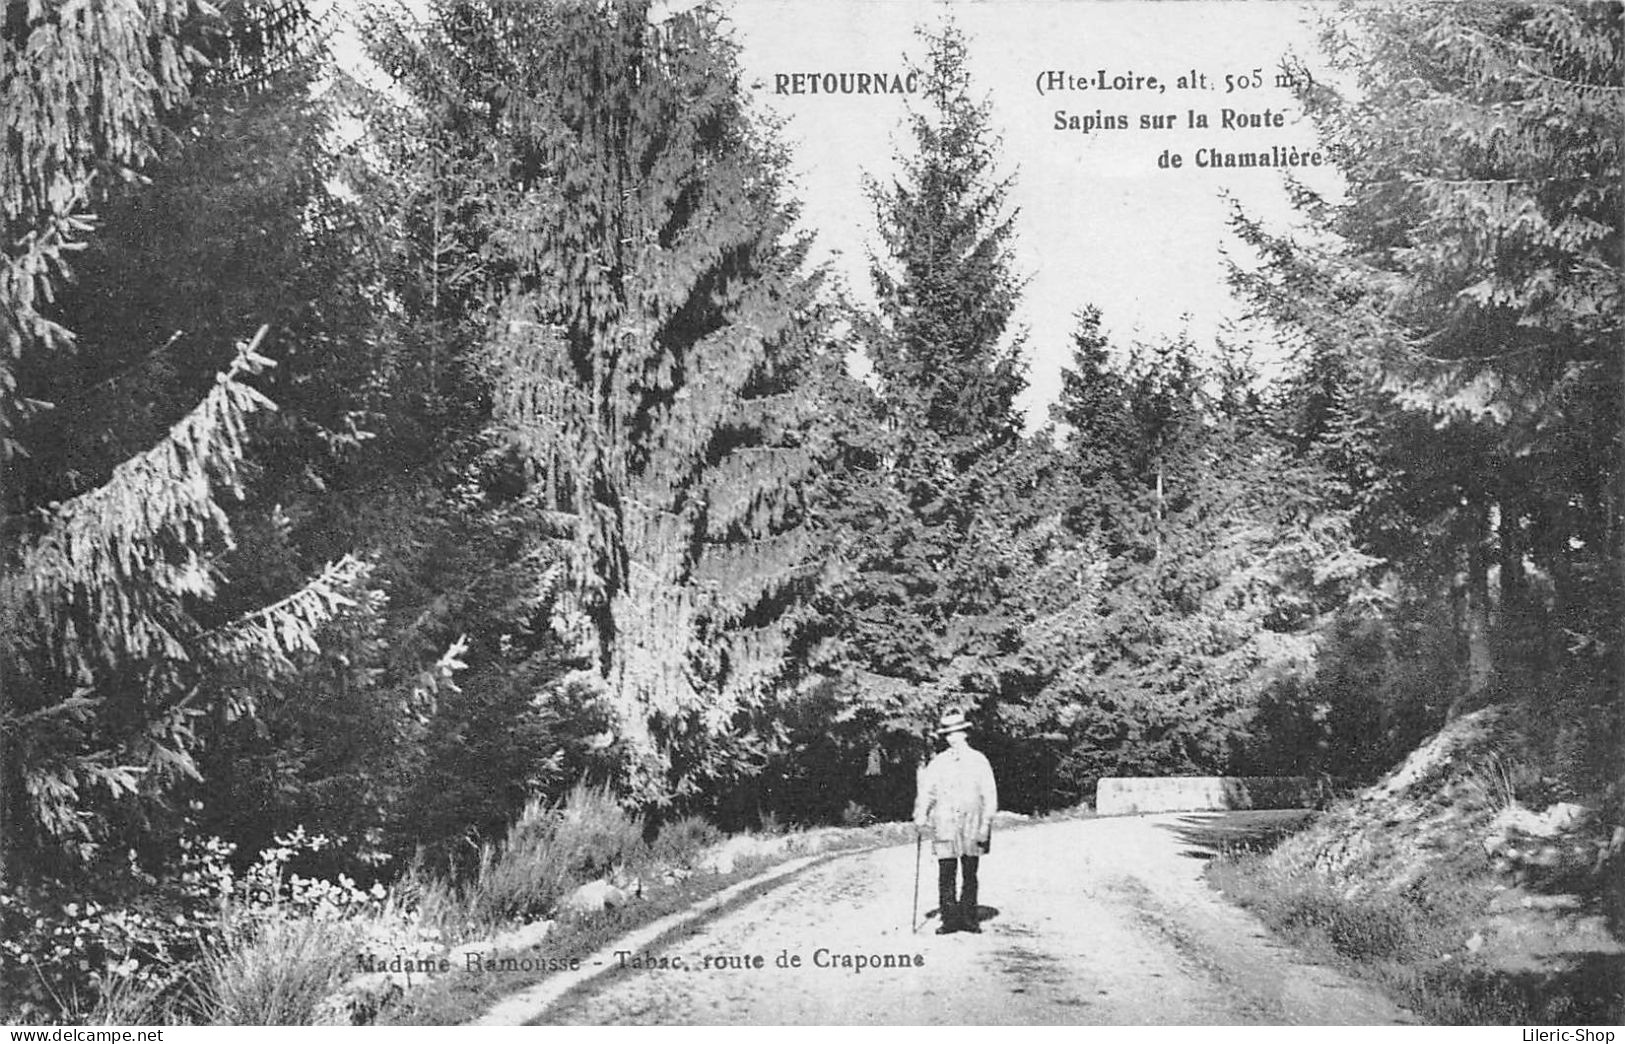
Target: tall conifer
point(931, 493)
point(108, 651)
point(1462, 323)
point(647, 359)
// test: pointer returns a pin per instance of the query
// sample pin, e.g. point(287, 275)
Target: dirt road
point(1102, 921)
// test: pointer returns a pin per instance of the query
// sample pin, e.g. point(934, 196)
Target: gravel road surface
point(1097, 921)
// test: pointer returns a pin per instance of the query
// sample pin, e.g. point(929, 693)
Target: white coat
point(956, 802)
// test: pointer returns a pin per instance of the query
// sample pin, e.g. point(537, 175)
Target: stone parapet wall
point(1126, 795)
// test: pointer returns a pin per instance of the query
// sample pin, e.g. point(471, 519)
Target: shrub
point(126, 1000)
point(681, 841)
point(108, 947)
point(126, 947)
point(524, 876)
point(284, 941)
point(436, 904)
point(596, 834)
point(1498, 781)
point(551, 849)
point(275, 971)
point(1370, 930)
point(57, 957)
point(1306, 906)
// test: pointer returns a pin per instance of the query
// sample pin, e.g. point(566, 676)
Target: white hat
point(952, 721)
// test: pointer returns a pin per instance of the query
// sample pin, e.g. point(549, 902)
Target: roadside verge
point(529, 1004)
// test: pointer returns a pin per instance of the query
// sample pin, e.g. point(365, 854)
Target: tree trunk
point(7, 837)
point(1474, 619)
point(1158, 534)
point(1480, 662)
point(1520, 621)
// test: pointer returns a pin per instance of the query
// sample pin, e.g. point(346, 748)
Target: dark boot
point(947, 905)
point(969, 921)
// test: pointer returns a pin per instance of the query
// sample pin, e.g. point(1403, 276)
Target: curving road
point(1102, 921)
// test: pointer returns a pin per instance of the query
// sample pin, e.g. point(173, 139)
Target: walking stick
point(914, 911)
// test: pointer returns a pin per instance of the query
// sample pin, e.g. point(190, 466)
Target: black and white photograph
point(755, 513)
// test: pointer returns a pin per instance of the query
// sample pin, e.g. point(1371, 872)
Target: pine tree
point(1465, 320)
point(105, 655)
point(935, 508)
point(942, 274)
point(85, 92)
point(1094, 411)
point(647, 354)
point(1215, 557)
point(108, 648)
point(63, 137)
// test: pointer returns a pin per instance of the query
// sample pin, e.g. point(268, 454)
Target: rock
point(1516, 818)
point(594, 897)
point(1558, 819)
point(1475, 942)
point(1564, 816)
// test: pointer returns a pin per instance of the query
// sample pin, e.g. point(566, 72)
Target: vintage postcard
point(811, 512)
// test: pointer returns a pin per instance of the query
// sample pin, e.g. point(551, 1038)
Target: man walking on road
point(956, 801)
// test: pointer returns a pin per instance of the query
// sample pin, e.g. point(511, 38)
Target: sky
point(1100, 220)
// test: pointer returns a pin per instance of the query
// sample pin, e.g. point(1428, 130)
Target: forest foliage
point(386, 454)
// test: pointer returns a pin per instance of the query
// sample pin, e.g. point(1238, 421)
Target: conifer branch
point(274, 634)
point(110, 551)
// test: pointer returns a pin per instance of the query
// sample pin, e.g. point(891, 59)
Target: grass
point(275, 973)
point(460, 996)
point(549, 850)
point(279, 964)
point(680, 842)
point(276, 965)
point(1411, 944)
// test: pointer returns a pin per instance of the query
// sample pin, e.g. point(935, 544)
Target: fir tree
point(647, 354)
point(63, 137)
point(108, 646)
point(935, 503)
point(1094, 411)
point(1463, 324)
point(942, 274)
point(1216, 558)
